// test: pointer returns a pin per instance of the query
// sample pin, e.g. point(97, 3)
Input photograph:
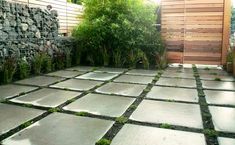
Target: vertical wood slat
point(205, 28)
point(226, 29)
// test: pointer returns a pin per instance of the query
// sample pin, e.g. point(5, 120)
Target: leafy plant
point(37, 64)
point(8, 70)
point(46, 63)
point(119, 33)
point(59, 60)
point(23, 69)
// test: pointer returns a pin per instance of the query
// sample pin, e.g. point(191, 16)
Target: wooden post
point(226, 30)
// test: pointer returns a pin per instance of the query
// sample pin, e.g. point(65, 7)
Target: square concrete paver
point(134, 79)
point(65, 73)
point(143, 72)
point(111, 70)
point(178, 75)
point(181, 114)
point(105, 105)
point(212, 71)
point(40, 81)
point(218, 85)
point(82, 68)
point(226, 141)
point(98, 76)
point(220, 97)
point(61, 129)
point(177, 82)
point(176, 94)
point(77, 85)
point(223, 118)
point(122, 89)
point(9, 91)
point(46, 97)
point(13, 116)
point(213, 77)
point(142, 135)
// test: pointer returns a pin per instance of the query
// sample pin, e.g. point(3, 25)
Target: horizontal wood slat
point(193, 30)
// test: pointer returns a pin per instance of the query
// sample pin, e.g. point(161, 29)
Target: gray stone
point(111, 70)
point(3, 35)
point(46, 97)
point(40, 81)
point(220, 97)
point(65, 74)
point(24, 26)
point(177, 82)
point(218, 85)
point(76, 84)
point(134, 79)
point(62, 129)
point(82, 68)
point(223, 118)
point(38, 34)
point(142, 135)
point(122, 89)
point(105, 105)
point(226, 141)
point(98, 76)
point(175, 94)
point(181, 114)
point(13, 116)
point(143, 72)
point(9, 91)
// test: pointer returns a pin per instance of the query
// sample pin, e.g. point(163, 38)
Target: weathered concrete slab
point(223, 118)
point(212, 71)
point(9, 91)
point(105, 105)
point(82, 68)
point(175, 94)
point(214, 77)
point(122, 89)
point(40, 81)
point(46, 97)
point(134, 79)
point(226, 141)
point(177, 82)
point(13, 116)
point(65, 73)
point(220, 97)
point(77, 85)
point(143, 72)
point(98, 76)
point(218, 85)
point(178, 75)
point(61, 129)
point(111, 70)
point(142, 135)
point(181, 114)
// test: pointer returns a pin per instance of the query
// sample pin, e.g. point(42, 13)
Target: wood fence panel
point(194, 30)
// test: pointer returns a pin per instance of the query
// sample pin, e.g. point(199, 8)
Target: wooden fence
point(69, 14)
point(196, 31)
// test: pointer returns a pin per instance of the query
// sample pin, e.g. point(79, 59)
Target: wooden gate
point(196, 31)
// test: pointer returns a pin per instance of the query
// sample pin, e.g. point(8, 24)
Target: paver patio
point(167, 111)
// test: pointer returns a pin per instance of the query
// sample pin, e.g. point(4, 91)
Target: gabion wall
point(25, 31)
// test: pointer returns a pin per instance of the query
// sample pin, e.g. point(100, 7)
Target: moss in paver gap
point(82, 114)
point(209, 131)
point(217, 79)
point(103, 142)
point(121, 120)
point(52, 110)
point(167, 126)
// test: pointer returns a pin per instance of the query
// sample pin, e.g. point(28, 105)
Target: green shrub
point(119, 33)
point(37, 64)
point(46, 63)
point(8, 70)
point(59, 60)
point(23, 69)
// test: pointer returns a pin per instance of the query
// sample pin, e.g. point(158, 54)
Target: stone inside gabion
point(25, 31)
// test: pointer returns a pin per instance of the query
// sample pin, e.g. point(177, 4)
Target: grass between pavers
point(209, 130)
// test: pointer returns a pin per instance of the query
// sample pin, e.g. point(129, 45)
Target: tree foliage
point(119, 33)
